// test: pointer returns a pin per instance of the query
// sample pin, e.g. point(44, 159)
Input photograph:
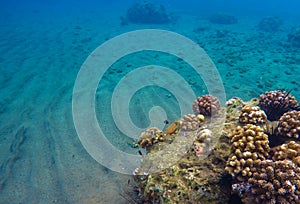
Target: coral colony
point(241, 167)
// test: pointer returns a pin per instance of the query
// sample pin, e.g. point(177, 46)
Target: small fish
point(140, 153)
point(128, 182)
point(166, 122)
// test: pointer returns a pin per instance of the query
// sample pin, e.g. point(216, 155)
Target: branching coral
point(289, 125)
point(289, 151)
point(190, 122)
point(206, 105)
point(249, 146)
point(276, 103)
point(275, 182)
point(253, 115)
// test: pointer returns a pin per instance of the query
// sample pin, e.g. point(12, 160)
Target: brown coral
point(149, 137)
point(289, 151)
point(289, 125)
point(276, 103)
point(249, 146)
point(190, 122)
point(253, 115)
point(275, 182)
point(206, 105)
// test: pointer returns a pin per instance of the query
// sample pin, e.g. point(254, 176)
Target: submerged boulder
point(294, 37)
point(223, 18)
point(147, 13)
point(270, 24)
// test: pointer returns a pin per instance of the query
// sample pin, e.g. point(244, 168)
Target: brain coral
point(206, 105)
point(249, 146)
point(276, 103)
point(275, 182)
point(253, 115)
point(289, 125)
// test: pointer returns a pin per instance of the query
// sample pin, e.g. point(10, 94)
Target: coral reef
point(289, 125)
point(206, 105)
point(147, 13)
point(270, 24)
point(253, 115)
point(275, 182)
point(190, 122)
point(223, 18)
point(275, 103)
point(249, 146)
point(199, 161)
point(294, 37)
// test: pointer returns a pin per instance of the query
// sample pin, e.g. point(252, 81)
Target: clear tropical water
point(42, 48)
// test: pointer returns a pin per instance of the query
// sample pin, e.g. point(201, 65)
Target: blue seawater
point(43, 45)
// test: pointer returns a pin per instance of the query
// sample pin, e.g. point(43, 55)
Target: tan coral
point(253, 115)
point(234, 102)
point(249, 146)
point(190, 122)
point(289, 151)
point(289, 125)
